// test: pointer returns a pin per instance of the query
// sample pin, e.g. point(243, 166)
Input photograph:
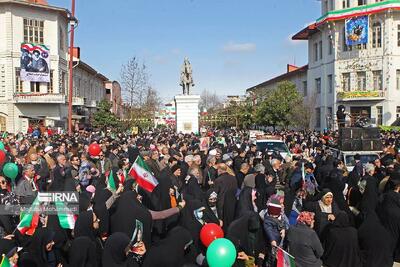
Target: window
point(315, 51)
point(346, 3)
point(379, 115)
point(320, 49)
point(345, 46)
point(318, 117)
point(330, 112)
point(376, 35)
point(318, 85)
point(361, 81)
point(362, 2)
point(398, 34)
point(398, 112)
point(330, 83)
point(346, 82)
point(330, 45)
point(62, 39)
point(33, 31)
point(35, 87)
point(398, 79)
point(18, 81)
point(63, 81)
point(50, 84)
point(305, 90)
point(377, 80)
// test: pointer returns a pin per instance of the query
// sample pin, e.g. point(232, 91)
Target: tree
point(134, 80)
point(103, 117)
point(302, 113)
point(209, 101)
point(277, 108)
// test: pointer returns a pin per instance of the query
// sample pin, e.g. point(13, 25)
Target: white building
point(363, 77)
point(23, 103)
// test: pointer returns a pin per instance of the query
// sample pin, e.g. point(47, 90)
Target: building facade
point(365, 78)
point(114, 95)
point(89, 88)
point(25, 103)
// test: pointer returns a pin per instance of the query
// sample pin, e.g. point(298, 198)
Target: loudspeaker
point(371, 133)
point(372, 145)
point(350, 133)
point(350, 145)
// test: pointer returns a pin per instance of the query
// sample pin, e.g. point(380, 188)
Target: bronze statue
point(186, 77)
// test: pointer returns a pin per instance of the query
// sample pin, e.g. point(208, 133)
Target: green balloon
point(221, 253)
point(1, 146)
point(10, 170)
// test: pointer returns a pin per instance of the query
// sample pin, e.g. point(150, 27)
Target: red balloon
point(210, 232)
point(2, 156)
point(94, 150)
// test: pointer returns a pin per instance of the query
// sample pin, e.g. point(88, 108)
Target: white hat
point(212, 152)
point(47, 149)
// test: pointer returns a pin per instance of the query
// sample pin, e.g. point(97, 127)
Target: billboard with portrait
point(35, 63)
point(357, 30)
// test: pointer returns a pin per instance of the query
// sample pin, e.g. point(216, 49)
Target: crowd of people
point(306, 203)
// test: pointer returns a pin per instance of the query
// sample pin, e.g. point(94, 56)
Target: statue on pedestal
point(186, 77)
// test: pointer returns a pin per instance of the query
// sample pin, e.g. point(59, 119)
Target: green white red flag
point(111, 182)
point(284, 259)
point(143, 175)
point(65, 216)
point(29, 220)
point(5, 262)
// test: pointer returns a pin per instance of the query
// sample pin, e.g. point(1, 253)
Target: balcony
point(78, 101)
point(39, 98)
point(90, 103)
point(361, 95)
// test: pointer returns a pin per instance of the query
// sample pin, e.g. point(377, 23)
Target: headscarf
point(84, 225)
point(114, 250)
point(171, 251)
point(82, 253)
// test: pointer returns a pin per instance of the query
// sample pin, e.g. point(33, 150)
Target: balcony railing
point(90, 103)
point(78, 101)
point(38, 98)
point(361, 95)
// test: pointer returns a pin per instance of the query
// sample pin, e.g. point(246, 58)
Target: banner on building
point(35, 63)
point(357, 30)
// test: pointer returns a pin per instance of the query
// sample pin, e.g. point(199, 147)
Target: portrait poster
point(204, 143)
point(35, 63)
point(357, 30)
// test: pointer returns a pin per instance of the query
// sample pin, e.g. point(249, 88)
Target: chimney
point(291, 68)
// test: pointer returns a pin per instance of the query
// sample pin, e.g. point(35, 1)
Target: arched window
point(376, 35)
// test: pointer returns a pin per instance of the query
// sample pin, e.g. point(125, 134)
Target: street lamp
point(71, 63)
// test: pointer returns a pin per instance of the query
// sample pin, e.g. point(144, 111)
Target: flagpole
point(284, 251)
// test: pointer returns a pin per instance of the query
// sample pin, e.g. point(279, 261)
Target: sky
point(232, 45)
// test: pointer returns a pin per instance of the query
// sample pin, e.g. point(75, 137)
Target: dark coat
point(341, 244)
point(305, 246)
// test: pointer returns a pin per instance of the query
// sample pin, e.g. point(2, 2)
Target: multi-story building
point(114, 95)
point(89, 88)
point(294, 74)
point(24, 103)
point(365, 78)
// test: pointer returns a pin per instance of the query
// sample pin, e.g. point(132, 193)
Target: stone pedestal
point(187, 113)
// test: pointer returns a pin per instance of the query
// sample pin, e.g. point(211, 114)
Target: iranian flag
point(5, 262)
point(111, 182)
point(65, 216)
point(284, 259)
point(142, 174)
point(29, 220)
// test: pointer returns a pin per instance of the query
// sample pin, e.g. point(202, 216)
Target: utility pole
point(71, 63)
